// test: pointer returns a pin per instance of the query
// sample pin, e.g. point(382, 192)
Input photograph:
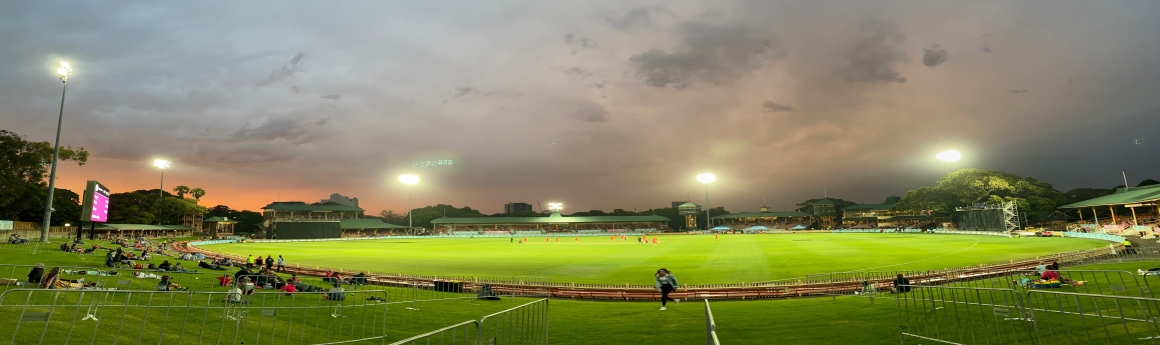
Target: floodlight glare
point(555, 206)
point(409, 178)
point(949, 156)
point(161, 163)
point(706, 178)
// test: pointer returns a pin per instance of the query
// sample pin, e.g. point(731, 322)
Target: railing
point(182, 317)
point(710, 326)
point(524, 324)
point(972, 315)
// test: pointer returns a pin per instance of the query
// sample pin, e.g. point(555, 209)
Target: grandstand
point(1142, 202)
point(554, 223)
point(882, 216)
point(764, 220)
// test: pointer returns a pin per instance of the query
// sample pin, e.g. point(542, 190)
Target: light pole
point(706, 178)
point(409, 179)
point(161, 164)
point(65, 70)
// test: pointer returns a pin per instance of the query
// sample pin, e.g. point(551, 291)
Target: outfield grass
point(695, 259)
point(844, 320)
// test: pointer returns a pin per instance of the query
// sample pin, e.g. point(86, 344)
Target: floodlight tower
point(949, 156)
point(161, 164)
point(706, 179)
point(555, 207)
point(65, 70)
point(409, 179)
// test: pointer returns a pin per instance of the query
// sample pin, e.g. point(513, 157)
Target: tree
point(392, 217)
point(1147, 182)
point(181, 190)
point(23, 174)
point(248, 221)
point(973, 186)
point(197, 193)
point(66, 209)
point(424, 216)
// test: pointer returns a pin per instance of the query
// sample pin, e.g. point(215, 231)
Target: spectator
point(242, 273)
point(250, 261)
point(336, 293)
point(165, 266)
point(224, 280)
point(166, 285)
point(666, 283)
point(901, 284)
point(289, 289)
point(36, 274)
point(281, 264)
point(269, 263)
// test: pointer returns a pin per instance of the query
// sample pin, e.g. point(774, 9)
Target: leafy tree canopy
point(24, 173)
point(973, 186)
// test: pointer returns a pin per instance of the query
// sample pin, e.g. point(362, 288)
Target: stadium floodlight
point(65, 70)
point(555, 206)
point(949, 156)
point(161, 164)
point(707, 178)
point(409, 179)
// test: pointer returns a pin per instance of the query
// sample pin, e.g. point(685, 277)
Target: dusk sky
point(596, 104)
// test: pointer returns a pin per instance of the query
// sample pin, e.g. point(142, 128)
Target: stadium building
point(552, 223)
point(299, 220)
point(760, 221)
point(1142, 205)
point(874, 216)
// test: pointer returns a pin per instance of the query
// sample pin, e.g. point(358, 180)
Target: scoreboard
point(95, 207)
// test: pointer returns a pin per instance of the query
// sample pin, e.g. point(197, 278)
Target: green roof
point(301, 206)
point(1121, 196)
point(824, 201)
point(218, 220)
point(554, 219)
point(371, 223)
point(689, 204)
point(762, 215)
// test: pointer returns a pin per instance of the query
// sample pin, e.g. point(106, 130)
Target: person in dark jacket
point(269, 263)
point(244, 272)
point(901, 284)
point(36, 274)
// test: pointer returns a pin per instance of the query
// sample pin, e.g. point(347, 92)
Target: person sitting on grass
point(359, 279)
point(165, 265)
point(336, 293)
point(224, 280)
point(901, 285)
point(36, 274)
point(242, 273)
point(167, 285)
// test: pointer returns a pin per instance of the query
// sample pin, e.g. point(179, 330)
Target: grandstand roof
point(218, 220)
point(555, 218)
point(371, 223)
point(884, 206)
point(824, 201)
point(1122, 196)
point(302, 206)
point(762, 215)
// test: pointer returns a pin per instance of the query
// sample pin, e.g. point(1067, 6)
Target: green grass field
point(844, 320)
point(695, 259)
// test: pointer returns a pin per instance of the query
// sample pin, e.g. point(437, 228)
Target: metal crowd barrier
point(974, 315)
point(710, 327)
point(162, 317)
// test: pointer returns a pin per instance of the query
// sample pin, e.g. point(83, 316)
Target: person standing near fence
point(250, 261)
point(269, 262)
point(666, 283)
point(281, 264)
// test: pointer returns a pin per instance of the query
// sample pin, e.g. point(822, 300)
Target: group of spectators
point(17, 239)
point(269, 262)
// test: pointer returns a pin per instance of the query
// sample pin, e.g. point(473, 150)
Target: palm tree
point(197, 193)
point(181, 190)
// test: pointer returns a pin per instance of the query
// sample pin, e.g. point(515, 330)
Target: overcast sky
point(596, 104)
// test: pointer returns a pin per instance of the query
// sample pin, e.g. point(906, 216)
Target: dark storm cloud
point(1019, 91)
point(272, 128)
point(772, 107)
point(285, 72)
point(716, 54)
point(934, 55)
point(573, 71)
point(635, 18)
point(874, 53)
